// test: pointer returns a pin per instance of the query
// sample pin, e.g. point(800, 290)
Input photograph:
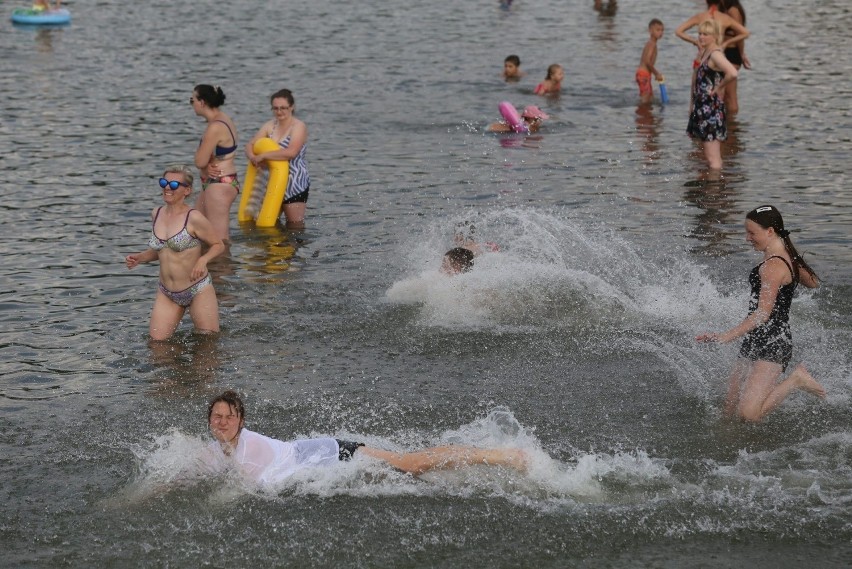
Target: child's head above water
point(555, 72)
point(512, 67)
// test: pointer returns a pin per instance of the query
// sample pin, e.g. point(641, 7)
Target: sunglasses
point(172, 185)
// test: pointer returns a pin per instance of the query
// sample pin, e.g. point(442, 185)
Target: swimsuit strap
point(234, 138)
point(185, 221)
point(789, 266)
point(706, 59)
point(288, 133)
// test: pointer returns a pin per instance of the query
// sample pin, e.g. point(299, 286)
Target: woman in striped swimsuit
point(292, 137)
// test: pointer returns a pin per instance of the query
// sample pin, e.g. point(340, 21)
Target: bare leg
point(165, 317)
point(450, 457)
point(732, 105)
point(713, 153)
point(735, 382)
point(800, 378)
point(761, 394)
point(294, 213)
point(204, 310)
point(215, 204)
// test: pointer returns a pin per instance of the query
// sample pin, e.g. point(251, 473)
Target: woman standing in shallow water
point(177, 232)
point(291, 134)
point(214, 158)
point(708, 121)
point(767, 346)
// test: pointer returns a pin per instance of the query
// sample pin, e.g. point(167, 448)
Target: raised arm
point(689, 24)
point(741, 32)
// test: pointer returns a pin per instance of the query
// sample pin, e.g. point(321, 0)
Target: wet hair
point(232, 398)
point(728, 4)
point(513, 59)
point(460, 258)
point(283, 94)
point(654, 22)
point(767, 217)
point(212, 96)
point(711, 27)
point(711, 3)
point(551, 69)
point(183, 170)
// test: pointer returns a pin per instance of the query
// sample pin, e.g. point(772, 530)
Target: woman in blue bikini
point(214, 158)
point(291, 134)
point(177, 233)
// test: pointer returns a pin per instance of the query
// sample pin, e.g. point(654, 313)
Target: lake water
point(575, 341)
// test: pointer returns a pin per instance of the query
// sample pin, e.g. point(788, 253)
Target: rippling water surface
point(575, 341)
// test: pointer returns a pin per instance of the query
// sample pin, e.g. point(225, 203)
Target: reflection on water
point(716, 206)
point(648, 123)
point(520, 141)
point(185, 365)
point(269, 250)
point(735, 143)
point(606, 9)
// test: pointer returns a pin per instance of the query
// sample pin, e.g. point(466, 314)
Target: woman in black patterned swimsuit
point(767, 343)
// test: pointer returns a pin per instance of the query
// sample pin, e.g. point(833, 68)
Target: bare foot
point(804, 380)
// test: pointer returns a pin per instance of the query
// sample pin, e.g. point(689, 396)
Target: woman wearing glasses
point(291, 134)
point(214, 158)
point(177, 233)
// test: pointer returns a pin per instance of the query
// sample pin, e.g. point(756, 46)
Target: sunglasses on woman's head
point(172, 184)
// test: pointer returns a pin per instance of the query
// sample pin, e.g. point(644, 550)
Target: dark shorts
point(301, 198)
point(732, 54)
point(775, 346)
point(347, 449)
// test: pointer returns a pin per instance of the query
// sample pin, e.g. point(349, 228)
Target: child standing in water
point(512, 69)
point(552, 84)
point(646, 65)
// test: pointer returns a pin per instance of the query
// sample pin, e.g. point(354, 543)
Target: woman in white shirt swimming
point(268, 461)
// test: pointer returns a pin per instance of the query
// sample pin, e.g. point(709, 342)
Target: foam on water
point(171, 462)
point(556, 271)
point(808, 474)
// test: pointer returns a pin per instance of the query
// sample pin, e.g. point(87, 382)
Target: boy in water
point(512, 69)
point(646, 65)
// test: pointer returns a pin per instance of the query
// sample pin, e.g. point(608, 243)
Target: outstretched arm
point(772, 275)
point(135, 259)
